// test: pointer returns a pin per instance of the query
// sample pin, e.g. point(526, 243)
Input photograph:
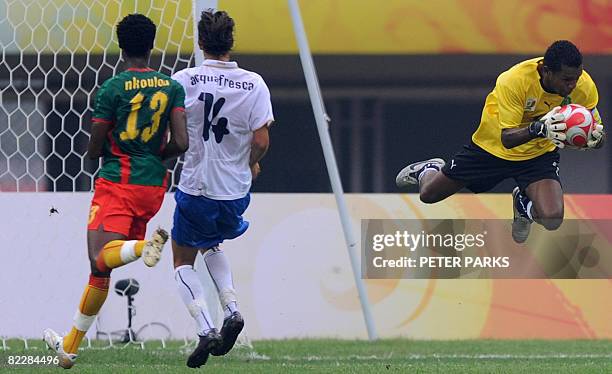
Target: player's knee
point(429, 195)
point(551, 219)
point(96, 272)
point(184, 257)
point(98, 266)
point(182, 261)
point(552, 223)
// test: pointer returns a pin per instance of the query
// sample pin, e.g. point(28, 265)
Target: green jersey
point(137, 103)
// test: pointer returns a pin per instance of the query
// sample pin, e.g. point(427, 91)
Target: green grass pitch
point(340, 356)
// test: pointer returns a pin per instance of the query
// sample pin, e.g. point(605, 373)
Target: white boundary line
point(442, 356)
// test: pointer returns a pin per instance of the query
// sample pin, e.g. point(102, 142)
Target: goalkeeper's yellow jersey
point(517, 100)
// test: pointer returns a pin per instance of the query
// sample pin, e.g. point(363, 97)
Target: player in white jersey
point(228, 114)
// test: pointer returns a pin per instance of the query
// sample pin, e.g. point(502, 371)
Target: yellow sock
point(118, 253)
point(73, 340)
point(92, 300)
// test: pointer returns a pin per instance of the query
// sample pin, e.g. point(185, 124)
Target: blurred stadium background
point(402, 80)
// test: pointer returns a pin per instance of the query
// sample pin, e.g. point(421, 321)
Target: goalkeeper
point(519, 135)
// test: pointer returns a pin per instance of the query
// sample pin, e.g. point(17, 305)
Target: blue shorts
point(202, 223)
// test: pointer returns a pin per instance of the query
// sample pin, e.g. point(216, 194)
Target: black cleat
point(521, 225)
point(208, 342)
point(232, 326)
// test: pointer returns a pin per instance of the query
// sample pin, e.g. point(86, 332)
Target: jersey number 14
point(220, 129)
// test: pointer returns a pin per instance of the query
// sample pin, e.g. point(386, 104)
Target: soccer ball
point(580, 124)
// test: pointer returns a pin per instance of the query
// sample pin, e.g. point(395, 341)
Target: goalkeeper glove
point(597, 135)
point(551, 127)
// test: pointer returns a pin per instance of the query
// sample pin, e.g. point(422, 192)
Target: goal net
point(55, 54)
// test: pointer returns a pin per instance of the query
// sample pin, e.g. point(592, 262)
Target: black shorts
point(481, 171)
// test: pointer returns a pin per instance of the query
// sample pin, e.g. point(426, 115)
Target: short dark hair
point(136, 34)
point(216, 32)
point(562, 52)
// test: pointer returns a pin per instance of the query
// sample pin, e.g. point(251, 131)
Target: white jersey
point(224, 105)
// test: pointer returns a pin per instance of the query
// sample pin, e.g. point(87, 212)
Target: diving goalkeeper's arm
point(551, 127)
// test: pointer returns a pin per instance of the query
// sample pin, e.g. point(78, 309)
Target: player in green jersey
point(133, 112)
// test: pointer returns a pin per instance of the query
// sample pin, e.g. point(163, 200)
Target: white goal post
point(322, 121)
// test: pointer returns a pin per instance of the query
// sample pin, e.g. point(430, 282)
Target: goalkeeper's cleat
point(56, 343)
point(151, 253)
point(207, 343)
point(410, 174)
point(521, 225)
point(232, 326)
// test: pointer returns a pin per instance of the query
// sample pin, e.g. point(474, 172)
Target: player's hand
point(549, 130)
point(596, 137)
point(255, 170)
point(551, 126)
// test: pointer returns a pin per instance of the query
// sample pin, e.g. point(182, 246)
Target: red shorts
point(124, 208)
